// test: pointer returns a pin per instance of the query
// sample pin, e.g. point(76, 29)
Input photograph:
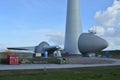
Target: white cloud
point(111, 30)
point(56, 38)
point(109, 25)
point(110, 17)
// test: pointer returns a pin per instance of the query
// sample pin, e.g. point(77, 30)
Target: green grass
point(95, 73)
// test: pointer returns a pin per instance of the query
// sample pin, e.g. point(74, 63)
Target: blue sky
point(28, 22)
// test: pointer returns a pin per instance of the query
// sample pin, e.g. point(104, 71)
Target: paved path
point(50, 66)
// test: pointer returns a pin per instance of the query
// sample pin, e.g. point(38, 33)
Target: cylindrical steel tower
point(73, 27)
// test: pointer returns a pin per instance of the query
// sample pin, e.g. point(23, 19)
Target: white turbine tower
point(73, 27)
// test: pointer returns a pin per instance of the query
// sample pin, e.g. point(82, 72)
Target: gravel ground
point(86, 60)
point(74, 62)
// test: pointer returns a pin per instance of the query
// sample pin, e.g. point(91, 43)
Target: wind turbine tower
point(73, 27)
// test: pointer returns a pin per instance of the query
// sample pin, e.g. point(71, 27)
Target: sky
point(29, 22)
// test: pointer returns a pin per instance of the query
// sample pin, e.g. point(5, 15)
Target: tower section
point(73, 27)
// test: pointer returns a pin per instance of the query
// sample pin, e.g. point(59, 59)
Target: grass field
point(95, 73)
